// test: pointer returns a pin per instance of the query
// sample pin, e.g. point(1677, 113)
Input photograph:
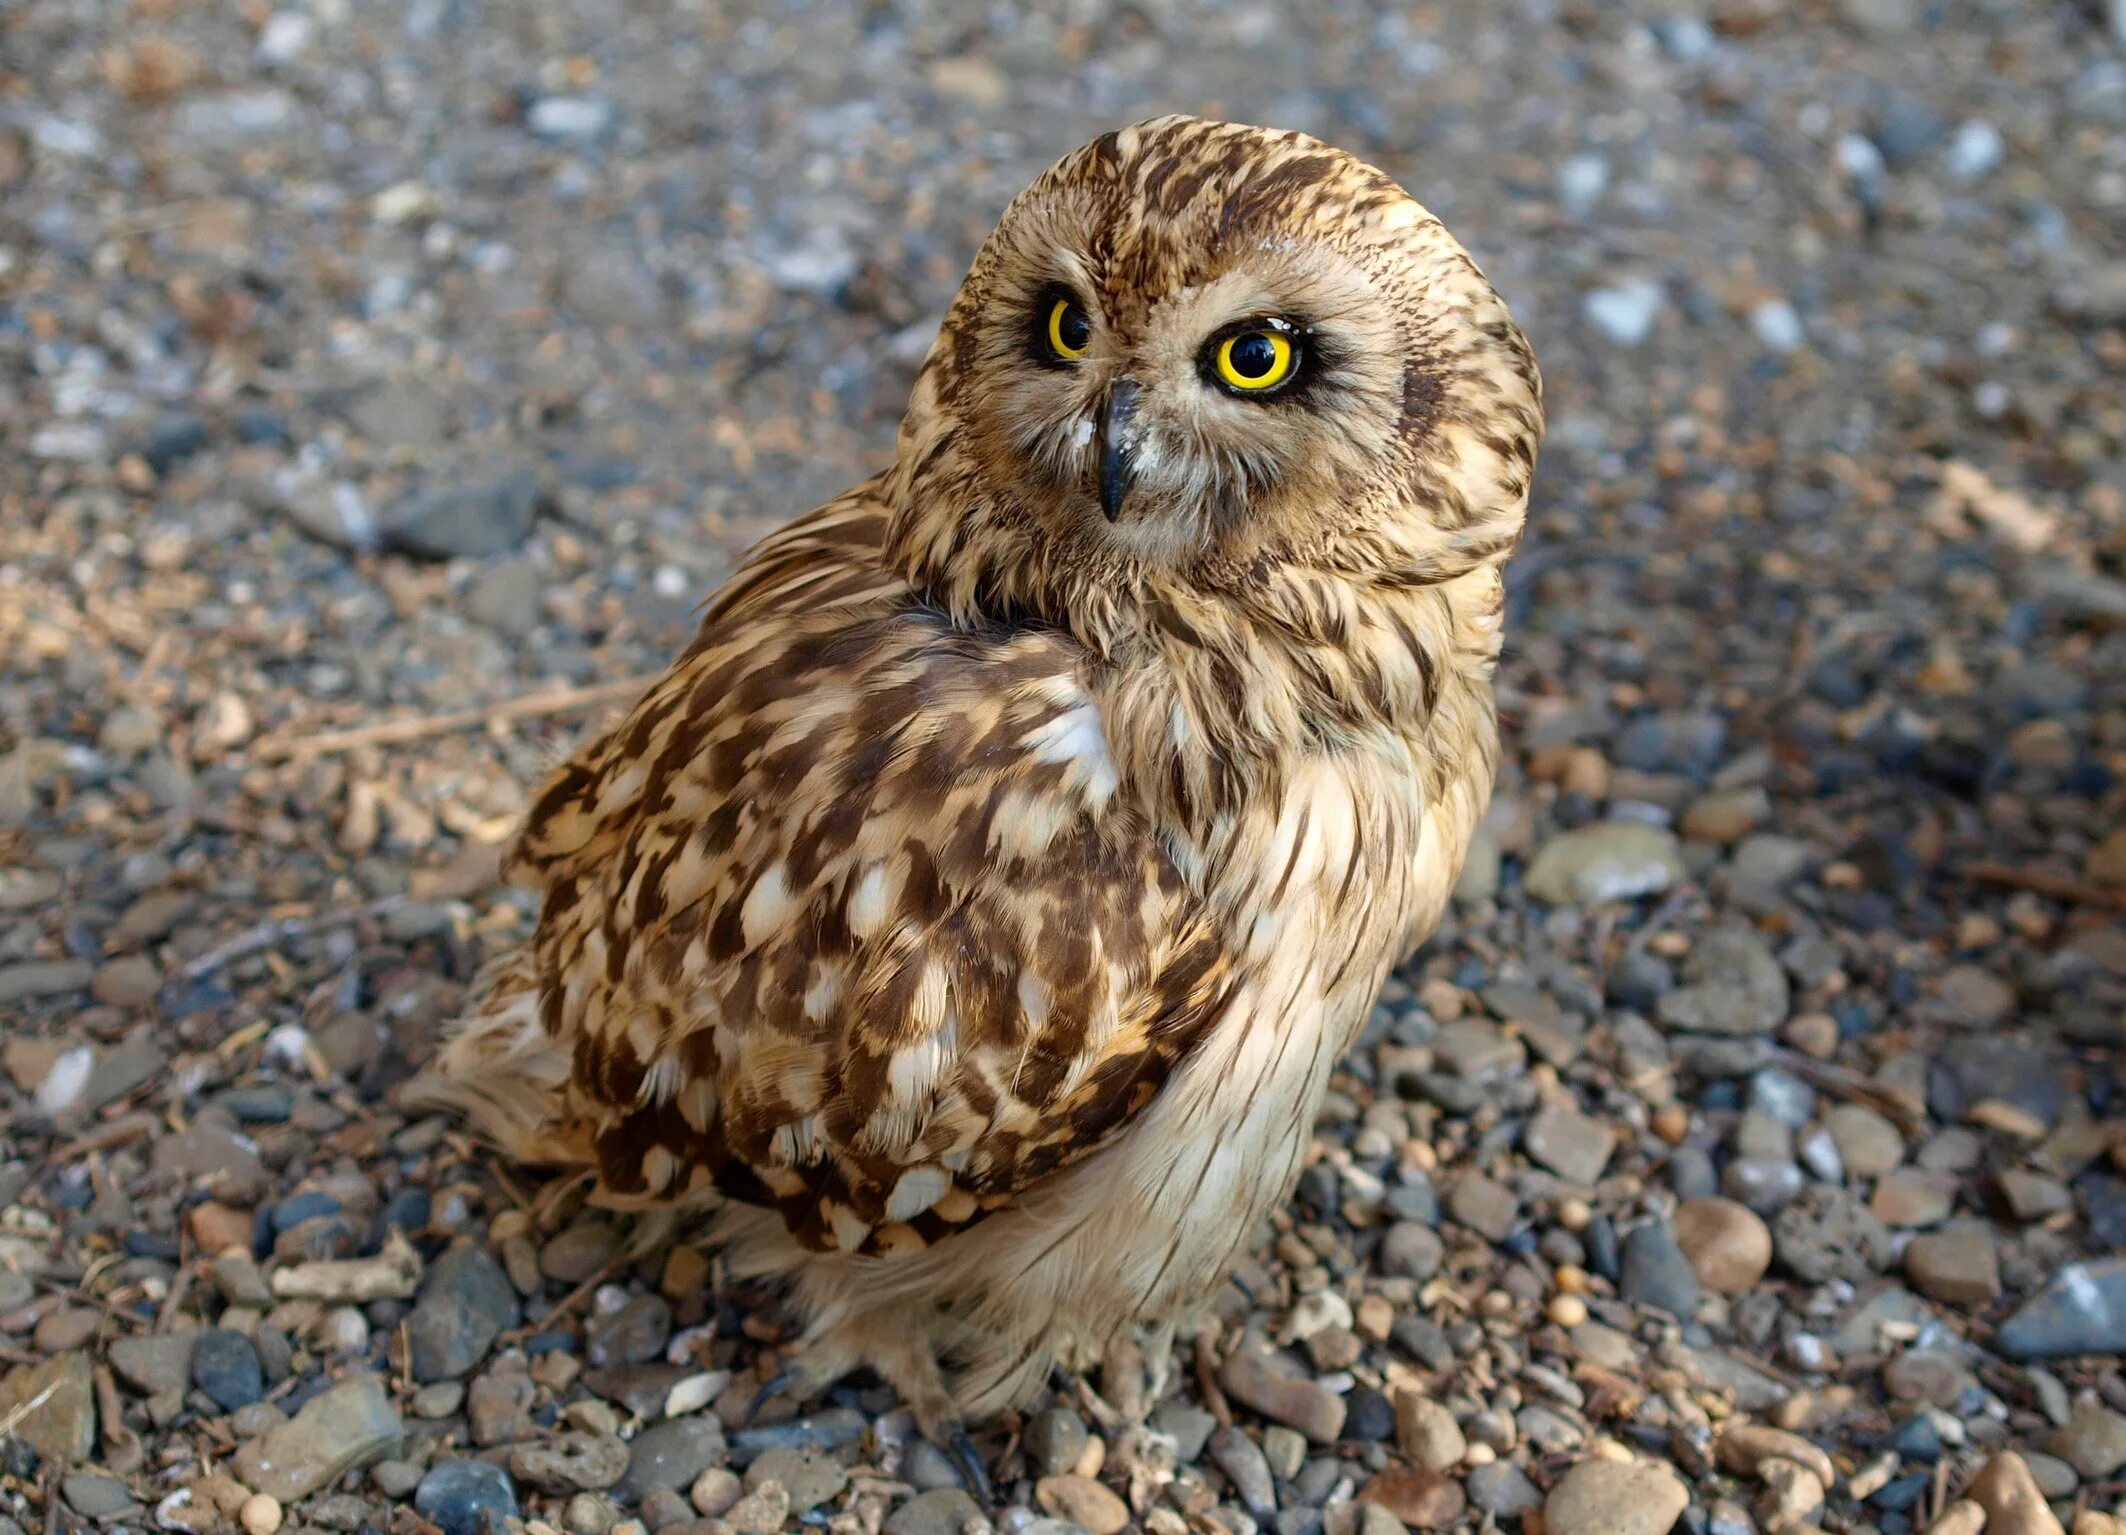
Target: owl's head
point(1196, 354)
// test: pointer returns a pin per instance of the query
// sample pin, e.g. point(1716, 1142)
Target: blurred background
point(369, 367)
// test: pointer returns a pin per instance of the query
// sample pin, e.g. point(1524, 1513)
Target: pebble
point(1826, 1234)
point(1656, 1273)
point(1732, 985)
point(571, 1462)
point(1411, 1251)
point(498, 1406)
point(1606, 1497)
point(226, 1366)
point(715, 1491)
point(1054, 1439)
point(63, 1428)
point(1084, 1502)
point(96, 1496)
point(1626, 312)
point(942, 1511)
point(762, 1511)
point(1868, 1144)
point(1936, 1376)
point(1728, 1245)
point(350, 1424)
point(1911, 1199)
point(1609, 861)
point(155, 1363)
point(671, 1454)
point(466, 1497)
point(1242, 1460)
point(2014, 1506)
point(2093, 1441)
point(1502, 1489)
point(465, 1303)
point(260, 1515)
point(474, 518)
point(1427, 1433)
point(1296, 1402)
point(635, 1333)
point(1573, 1145)
point(809, 1477)
point(2081, 1311)
point(1958, 1265)
point(1420, 1500)
point(1484, 1205)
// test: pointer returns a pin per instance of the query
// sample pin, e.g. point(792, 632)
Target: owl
point(967, 924)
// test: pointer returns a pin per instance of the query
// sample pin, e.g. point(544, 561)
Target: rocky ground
point(381, 384)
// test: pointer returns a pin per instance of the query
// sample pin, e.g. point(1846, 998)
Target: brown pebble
point(1084, 1502)
point(2005, 1489)
point(1314, 1410)
point(261, 1514)
point(1727, 1243)
point(1422, 1500)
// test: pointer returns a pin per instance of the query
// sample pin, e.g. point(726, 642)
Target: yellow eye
point(1252, 361)
point(1070, 332)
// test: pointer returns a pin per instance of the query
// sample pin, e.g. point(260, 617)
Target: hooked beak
point(1115, 417)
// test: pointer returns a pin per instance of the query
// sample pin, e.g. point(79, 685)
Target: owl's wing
point(844, 919)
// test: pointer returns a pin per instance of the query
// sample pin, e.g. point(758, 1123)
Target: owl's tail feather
point(504, 1075)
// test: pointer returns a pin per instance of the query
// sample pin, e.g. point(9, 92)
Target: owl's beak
point(1114, 456)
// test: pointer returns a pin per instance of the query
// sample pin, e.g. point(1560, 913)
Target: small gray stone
point(1484, 1205)
point(1573, 1145)
point(1189, 1426)
point(349, 1425)
point(633, 1334)
point(466, 1497)
point(1656, 1273)
point(2093, 1441)
point(809, 1477)
point(226, 1366)
point(466, 1302)
point(1502, 1489)
point(1733, 985)
point(1241, 1459)
point(2082, 1311)
point(467, 518)
point(572, 1462)
point(672, 1454)
point(155, 1363)
point(93, 1495)
point(1609, 861)
point(1054, 1440)
point(1826, 1233)
point(944, 1511)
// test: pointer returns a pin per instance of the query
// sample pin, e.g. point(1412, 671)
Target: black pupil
point(1253, 355)
point(1074, 329)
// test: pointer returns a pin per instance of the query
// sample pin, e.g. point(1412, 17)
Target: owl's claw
point(959, 1445)
point(782, 1380)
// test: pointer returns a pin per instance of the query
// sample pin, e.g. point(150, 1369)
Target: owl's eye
point(1069, 329)
point(1257, 358)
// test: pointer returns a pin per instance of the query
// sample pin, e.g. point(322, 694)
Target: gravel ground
point(1747, 1154)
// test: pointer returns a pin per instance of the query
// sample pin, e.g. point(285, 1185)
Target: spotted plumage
point(971, 917)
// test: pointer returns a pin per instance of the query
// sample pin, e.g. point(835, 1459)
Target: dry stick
point(398, 732)
point(281, 930)
point(2061, 887)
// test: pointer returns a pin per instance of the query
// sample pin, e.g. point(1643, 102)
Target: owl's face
point(1191, 348)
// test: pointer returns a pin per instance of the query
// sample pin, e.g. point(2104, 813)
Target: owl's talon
point(960, 1446)
point(782, 1380)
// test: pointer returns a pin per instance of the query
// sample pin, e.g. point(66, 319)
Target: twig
point(119, 1132)
point(268, 934)
point(571, 1301)
point(398, 732)
point(1840, 1082)
point(2061, 887)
